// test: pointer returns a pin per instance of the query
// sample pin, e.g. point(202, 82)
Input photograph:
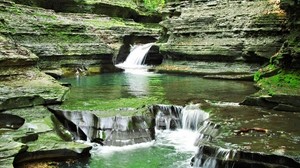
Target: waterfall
point(137, 57)
point(190, 117)
point(193, 116)
point(211, 157)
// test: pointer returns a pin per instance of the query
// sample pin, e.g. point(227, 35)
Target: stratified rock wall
point(22, 84)
point(223, 30)
point(280, 80)
point(69, 41)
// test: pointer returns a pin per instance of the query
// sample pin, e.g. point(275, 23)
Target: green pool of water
point(127, 90)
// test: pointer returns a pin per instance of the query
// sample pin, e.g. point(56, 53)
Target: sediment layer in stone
point(223, 30)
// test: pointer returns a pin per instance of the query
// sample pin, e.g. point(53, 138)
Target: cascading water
point(136, 58)
point(192, 116)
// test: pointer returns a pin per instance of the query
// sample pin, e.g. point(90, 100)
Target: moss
point(122, 106)
point(263, 71)
point(285, 82)
point(154, 5)
point(92, 70)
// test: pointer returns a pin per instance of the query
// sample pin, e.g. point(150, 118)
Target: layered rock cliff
point(279, 81)
point(226, 39)
point(224, 30)
point(67, 41)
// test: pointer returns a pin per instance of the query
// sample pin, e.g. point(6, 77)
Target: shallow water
point(126, 90)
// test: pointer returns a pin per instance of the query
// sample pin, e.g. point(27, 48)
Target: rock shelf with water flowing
point(186, 129)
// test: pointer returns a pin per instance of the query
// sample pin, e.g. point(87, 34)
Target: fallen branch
point(246, 130)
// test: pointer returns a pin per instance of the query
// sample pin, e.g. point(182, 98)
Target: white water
point(136, 58)
point(211, 161)
point(193, 116)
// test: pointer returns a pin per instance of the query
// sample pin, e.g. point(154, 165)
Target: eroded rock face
point(110, 131)
point(128, 9)
point(22, 84)
point(223, 30)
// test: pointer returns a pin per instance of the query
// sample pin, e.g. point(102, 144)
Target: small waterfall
point(193, 116)
point(137, 57)
point(167, 116)
point(190, 117)
point(218, 157)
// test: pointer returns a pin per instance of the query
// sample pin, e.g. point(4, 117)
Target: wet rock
point(219, 70)
point(212, 156)
point(110, 131)
point(11, 121)
point(246, 77)
point(276, 102)
point(47, 148)
point(9, 149)
point(22, 85)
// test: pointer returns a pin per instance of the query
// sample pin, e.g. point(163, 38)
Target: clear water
point(170, 149)
point(173, 89)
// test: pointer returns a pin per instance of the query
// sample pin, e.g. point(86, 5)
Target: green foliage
point(261, 72)
point(153, 5)
point(257, 75)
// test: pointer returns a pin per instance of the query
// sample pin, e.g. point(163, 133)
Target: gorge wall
point(224, 34)
point(250, 31)
point(66, 41)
